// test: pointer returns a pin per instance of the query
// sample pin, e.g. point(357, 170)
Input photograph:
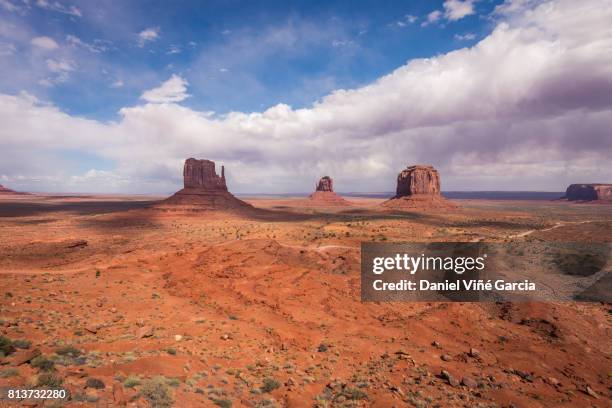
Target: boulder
point(589, 192)
point(418, 187)
point(203, 189)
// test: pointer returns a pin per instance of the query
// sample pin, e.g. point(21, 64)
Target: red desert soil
point(261, 307)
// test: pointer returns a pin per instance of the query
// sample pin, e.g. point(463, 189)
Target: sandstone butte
point(418, 187)
point(204, 189)
point(4, 190)
point(589, 192)
point(324, 194)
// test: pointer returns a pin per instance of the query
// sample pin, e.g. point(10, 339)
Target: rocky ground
point(123, 305)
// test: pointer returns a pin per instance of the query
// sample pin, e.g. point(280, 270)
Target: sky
point(112, 97)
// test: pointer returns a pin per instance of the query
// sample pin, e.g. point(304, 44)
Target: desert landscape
point(203, 299)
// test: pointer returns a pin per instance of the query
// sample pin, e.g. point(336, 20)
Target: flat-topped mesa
point(202, 174)
point(589, 192)
point(325, 184)
point(204, 190)
point(418, 179)
point(418, 187)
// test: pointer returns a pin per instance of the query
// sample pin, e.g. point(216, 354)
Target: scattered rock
point(590, 392)
point(92, 328)
point(178, 337)
point(452, 381)
point(24, 356)
point(145, 331)
point(469, 382)
point(474, 352)
point(446, 357)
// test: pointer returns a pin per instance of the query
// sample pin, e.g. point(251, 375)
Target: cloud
point(479, 114)
point(7, 49)
point(173, 90)
point(45, 43)
point(432, 18)
point(10, 6)
point(97, 46)
point(465, 37)
point(457, 9)
point(60, 68)
point(117, 84)
point(407, 20)
point(148, 35)
point(59, 7)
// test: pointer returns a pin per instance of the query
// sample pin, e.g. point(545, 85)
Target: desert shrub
point(131, 381)
point(22, 343)
point(156, 391)
point(69, 351)
point(269, 385)
point(171, 351)
point(94, 383)
point(354, 393)
point(48, 380)
point(6, 346)
point(223, 403)
point(173, 382)
point(9, 372)
point(42, 363)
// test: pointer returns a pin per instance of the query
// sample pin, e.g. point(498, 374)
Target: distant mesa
point(589, 192)
point(5, 190)
point(418, 186)
point(324, 194)
point(204, 189)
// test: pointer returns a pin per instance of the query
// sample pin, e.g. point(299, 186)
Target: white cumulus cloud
point(458, 9)
point(173, 90)
point(46, 43)
point(482, 115)
point(148, 35)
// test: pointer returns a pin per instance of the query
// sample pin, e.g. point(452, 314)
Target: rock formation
point(204, 189)
point(4, 190)
point(324, 194)
point(589, 192)
point(325, 184)
point(418, 187)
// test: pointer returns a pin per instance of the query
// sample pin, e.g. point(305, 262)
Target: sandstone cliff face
point(589, 192)
point(418, 187)
point(204, 190)
point(419, 179)
point(325, 184)
point(202, 174)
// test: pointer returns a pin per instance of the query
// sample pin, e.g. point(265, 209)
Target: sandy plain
point(131, 306)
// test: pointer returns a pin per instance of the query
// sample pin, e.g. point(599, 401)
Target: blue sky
point(113, 96)
point(243, 56)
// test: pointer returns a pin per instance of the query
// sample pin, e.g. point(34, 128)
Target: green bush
point(42, 363)
point(6, 346)
point(131, 381)
point(269, 385)
point(48, 380)
point(156, 391)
